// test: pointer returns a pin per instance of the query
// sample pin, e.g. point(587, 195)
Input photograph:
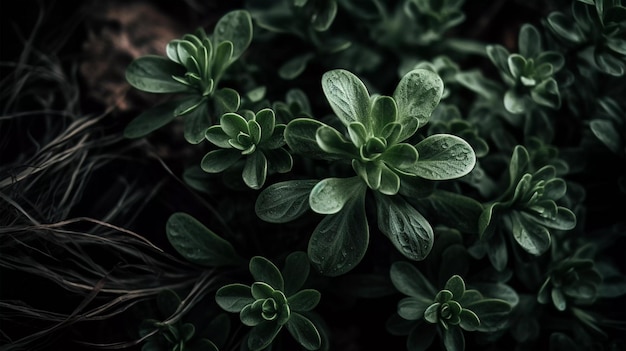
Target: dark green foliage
point(275, 300)
point(430, 175)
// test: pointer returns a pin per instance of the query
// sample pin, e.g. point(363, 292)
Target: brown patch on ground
point(117, 34)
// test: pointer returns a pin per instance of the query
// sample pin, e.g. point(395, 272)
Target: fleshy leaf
point(236, 27)
point(304, 300)
point(417, 95)
point(384, 111)
point(264, 270)
point(233, 297)
point(443, 157)
point(331, 194)
point(295, 271)
point(410, 281)
point(456, 285)
point(453, 339)
point(198, 244)
point(340, 240)
point(153, 74)
point(304, 331)
point(217, 161)
point(262, 335)
point(407, 229)
point(300, 135)
point(284, 201)
point(348, 96)
point(534, 238)
point(412, 308)
point(255, 170)
point(151, 120)
point(196, 123)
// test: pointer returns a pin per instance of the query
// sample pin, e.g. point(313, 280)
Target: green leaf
point(558, 299)
point(153, 74)
point(151, 120)
point(610, 64)
point(188, 104)
point(255, 170)
point(215, 135)
point(553, 58)
point(295, 272)
point(217, 161)
point(284, 201)
point(384, 111)
point(180, 50)
point(412, 308)
point(417, 95)
point(517, 65)
point(223, 58)
point(515, 101)
point(431, 314)
point(232, 124)
point(492, 313)
point(262, 335)
point(564, 219)
point(196, 123)
point(325, 17)
point(532, 237)
point(267, 121)
point(469, 320)
point(233, 297)
point(235, 27)
point(226, 100)
point(198, 244)
point(304, 300)
point(410, 281)
point(333, 142)
point(499, 55)
point(348, 97)
point(264, 270)
point(607, 133)
point(478, 83)
point(443, 157)
point(456, 285)
point(295, 66)
point(497, 252)
point(547, 94)
point(529, 42)
point(301, 136)
point(565, 28)
point(261, 290)
point(519, 164)
point(408, 230)
point(304, 331)
point(401, 156)
point(499, 291)
point(453, 210)
point(340, 240)
point(187, 330)
point(331, 194)
point(453, 339)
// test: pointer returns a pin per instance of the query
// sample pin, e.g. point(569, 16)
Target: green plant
point(194, 66)
point(449, 311)
point(274, 301)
